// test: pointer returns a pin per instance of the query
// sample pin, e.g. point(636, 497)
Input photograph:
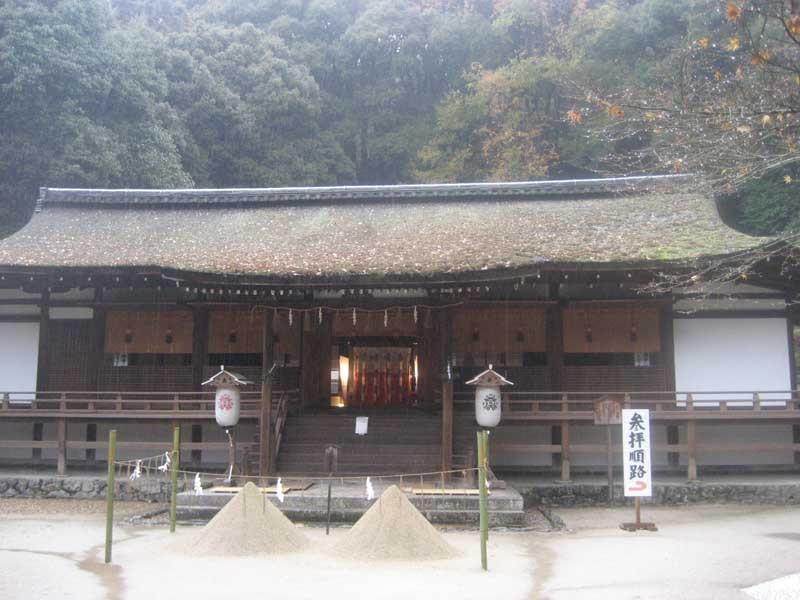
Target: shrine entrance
point(382, 376)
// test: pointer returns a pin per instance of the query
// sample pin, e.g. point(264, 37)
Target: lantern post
point(227, 406)
point(488, 411)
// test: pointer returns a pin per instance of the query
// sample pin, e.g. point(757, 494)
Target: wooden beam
point(98, 343)
point(199, 345)
point(565, 452)
point(668, 346)
point(447, 424)
point(446, 335)
point(61, 427)
point(44, 340)
point(265, 417)
point(554, 343)
point(792, 358)
point(691, 440)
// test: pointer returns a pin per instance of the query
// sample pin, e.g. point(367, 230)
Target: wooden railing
point(127, 405)
point(119, 406)
point(665, 406)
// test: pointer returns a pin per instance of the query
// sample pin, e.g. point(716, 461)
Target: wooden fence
point(117, 407)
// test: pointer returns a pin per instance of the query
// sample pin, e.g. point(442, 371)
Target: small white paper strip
point(362, 424)
point(198, 485)
point(370, 490)
point(165, 466)
point(279, 490)
point(137, 471)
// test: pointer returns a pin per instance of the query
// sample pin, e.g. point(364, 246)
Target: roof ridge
point(464, 191)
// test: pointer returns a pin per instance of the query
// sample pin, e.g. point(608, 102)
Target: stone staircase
point(395, 443)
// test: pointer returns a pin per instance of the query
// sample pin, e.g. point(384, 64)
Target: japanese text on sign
point(636, 452)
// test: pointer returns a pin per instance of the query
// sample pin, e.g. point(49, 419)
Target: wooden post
point(483, 499)
point(445, 333)
point(176, 457)
point(112, 456)
point(61, 426)
point(610, 464)
point(668, 346)
point(199, 345)
point(554, 342)
point(44, 341)
point(97, 352)
point(265, 416)
point(447, 424)
point(691, 440)
point(565, 454)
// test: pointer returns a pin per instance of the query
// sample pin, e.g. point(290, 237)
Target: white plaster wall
point(732, 355)
point(19, 354)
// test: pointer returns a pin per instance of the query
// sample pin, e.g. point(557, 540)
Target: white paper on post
point(636, 452)
point(362, 424)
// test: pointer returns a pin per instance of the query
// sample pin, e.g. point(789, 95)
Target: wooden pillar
point(691, 441)
point(61, 433)
point(44, 340)
point(668, 346)
point(554, 340)
point(265, 417)
point(199, 345)
point(95, 374)
point(427, 355)
point(445, 332)
point(792, 358)
point(565, 452)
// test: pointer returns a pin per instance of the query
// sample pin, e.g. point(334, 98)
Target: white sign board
point(362, 424)
point(636, 452)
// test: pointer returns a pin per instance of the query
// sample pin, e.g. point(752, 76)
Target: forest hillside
point(213, 93)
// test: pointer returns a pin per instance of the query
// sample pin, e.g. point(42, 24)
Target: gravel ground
point(698, 553)
point(59, 555)
point(54, 550)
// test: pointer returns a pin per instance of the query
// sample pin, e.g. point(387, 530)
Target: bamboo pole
point(176, 452)
point(483, 504)
point(112, 455)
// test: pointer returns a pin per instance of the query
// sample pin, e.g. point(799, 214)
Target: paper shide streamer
point(279, 490)
point(163, 467)
point(370, 490)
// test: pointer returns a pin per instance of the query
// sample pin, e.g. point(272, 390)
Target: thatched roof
point(347, 233)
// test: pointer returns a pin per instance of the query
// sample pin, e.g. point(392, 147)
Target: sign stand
point(637, 524)
point(637, 480)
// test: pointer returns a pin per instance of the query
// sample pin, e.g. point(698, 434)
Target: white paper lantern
point(488, 407)
point(227, 400)
point(227, 406)
point(488, 398)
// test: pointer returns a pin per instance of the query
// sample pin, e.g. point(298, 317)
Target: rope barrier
point(268, 478)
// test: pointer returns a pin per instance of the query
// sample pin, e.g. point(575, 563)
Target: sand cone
point(393, 529)
point(248, 524)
